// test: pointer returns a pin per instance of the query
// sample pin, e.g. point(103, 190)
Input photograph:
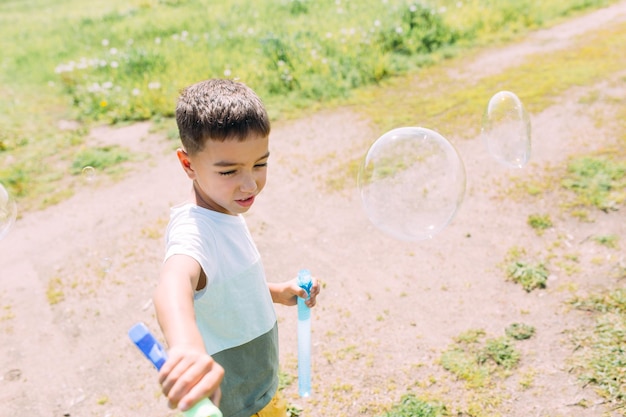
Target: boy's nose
point(249, 184)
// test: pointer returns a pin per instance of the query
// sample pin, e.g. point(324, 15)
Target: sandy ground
point(388, 309)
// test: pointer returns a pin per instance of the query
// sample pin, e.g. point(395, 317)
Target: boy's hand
point(189, 375)
point(287, 293)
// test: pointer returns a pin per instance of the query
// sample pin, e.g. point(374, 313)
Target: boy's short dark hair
point(219, 109)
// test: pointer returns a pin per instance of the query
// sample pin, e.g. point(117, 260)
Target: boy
point(213, 303)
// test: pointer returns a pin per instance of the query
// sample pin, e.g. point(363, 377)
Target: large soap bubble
point(8, 211)
point(412, 182)
point(506, 130)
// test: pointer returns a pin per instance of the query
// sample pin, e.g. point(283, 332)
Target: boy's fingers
point(207, 386)
point(217, 397)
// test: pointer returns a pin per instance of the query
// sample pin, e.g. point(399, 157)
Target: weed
point(54, 292)
point(499, 351)
point(99, 158)
point(7, 314)
point(527, 379)
point(539, 222)
point(530, 276)
point(596, 182)
point(475, 359)
point(293, 410)
point(520, 331)
point(601, 354)
point(285, 379)
point(412, 406)
point(610, 241)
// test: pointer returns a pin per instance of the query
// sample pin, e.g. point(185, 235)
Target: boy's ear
point(185, 162)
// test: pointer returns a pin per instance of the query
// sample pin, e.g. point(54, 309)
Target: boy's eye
point(263, 165)
point(227, 173)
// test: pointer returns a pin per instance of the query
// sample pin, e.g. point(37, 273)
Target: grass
point(539, 222)
point(530, 275)
point(477, 359)
point(124, 61)
point(520, 331)
point(412, 406)
point(596, 181)
point(600, 358)
point(610, 241)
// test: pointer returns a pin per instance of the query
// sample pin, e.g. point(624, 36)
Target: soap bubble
point(506, 130)
point(412, 182)
point(106, 263)
point(89, 173)
point(8, 211)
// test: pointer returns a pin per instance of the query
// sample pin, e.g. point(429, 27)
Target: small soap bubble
point(8, 212)
point(506, 130)
point(89, 173)
point(106, 263)
point(412, 182)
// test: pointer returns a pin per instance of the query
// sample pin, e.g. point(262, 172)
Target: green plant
point(284, 379)
point(539, 222)
point(412, 406)
point(476, 360)
point(530, 276)
point(499, 351)
point(99, 158)
point(596, 182)
point(54, 291)
point(520, 331)
point(610, 241)
point(117, 61)
point(600, 352)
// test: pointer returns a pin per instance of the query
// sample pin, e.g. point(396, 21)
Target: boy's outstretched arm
point(189, 374)
point(287, 292)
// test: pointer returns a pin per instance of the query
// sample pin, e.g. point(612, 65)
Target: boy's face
point(228, 175)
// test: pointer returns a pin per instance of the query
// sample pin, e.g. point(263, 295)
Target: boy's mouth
point(245, 202)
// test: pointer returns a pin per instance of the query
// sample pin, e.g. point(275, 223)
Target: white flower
point(93, 88)
point(135, 92)
point(113, 51)
point(157, 40)
point(105, 42)
point(114, 64)
point(227, 72)
point(154, 85)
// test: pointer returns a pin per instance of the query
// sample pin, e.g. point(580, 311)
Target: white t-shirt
point(235, 306)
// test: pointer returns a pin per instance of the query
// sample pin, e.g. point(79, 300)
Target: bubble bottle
point(153, 350)
point(304, 335)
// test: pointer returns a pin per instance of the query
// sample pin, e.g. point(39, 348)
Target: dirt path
point(388, 309)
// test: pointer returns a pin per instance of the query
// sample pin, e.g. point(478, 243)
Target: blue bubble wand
point(153, 350)
point(304, 335)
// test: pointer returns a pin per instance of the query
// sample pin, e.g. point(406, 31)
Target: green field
point(118, 61)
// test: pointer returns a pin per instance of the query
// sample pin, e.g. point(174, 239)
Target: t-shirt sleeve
point(188, 236)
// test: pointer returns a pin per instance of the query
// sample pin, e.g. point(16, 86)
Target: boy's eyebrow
point(230, 164)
